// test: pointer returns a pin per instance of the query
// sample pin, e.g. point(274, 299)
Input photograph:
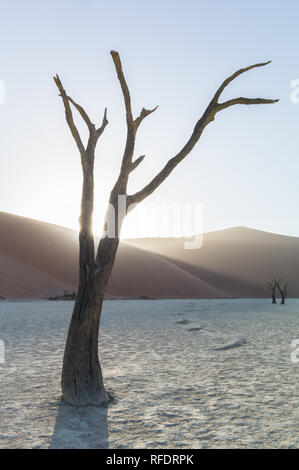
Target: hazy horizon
point(123, 238)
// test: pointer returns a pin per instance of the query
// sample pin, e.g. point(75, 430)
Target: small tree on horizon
point(272, 286)
point(82, 381)
point(283, 290)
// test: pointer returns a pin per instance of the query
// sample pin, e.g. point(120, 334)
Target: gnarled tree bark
point(82, 381)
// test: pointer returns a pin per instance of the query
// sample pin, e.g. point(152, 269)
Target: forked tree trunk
point(82, 380)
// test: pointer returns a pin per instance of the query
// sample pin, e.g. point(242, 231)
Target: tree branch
point(123, 84)
point(69, 115)
point(100, 130)
point(94, 133)
point(242, 100)
point(143, 114)
point(234, 76)
point(83, 113)
point(137, 162)
point(132, 125)
point(86, 239)
point(282, 290)
point(209, 114)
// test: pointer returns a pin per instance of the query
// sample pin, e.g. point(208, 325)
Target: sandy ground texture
point(184, 374)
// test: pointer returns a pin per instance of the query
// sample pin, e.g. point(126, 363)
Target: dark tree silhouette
point(82, 381)
point(272, 286)
point(283, 290)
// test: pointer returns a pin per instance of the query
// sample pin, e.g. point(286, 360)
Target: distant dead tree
point(283, 290)
point(272, 286)
point(82, 381)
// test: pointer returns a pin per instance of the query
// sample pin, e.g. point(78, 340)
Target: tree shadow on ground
point(80, 428)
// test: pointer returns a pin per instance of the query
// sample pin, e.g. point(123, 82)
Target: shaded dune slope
point(237, 261)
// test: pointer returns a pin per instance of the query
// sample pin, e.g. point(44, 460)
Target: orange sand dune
point(38, 260)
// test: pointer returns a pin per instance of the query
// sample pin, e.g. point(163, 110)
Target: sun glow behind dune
point(160, 219)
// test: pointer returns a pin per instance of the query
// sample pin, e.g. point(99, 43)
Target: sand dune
point(19, 280)
point(49, 248)
point(238, 261)
point(139, 272)
point(38, 260)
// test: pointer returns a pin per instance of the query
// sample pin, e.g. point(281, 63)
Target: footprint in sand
point(182, 322)
point(237, 344)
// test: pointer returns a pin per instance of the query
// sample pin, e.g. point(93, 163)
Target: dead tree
point(82, 382)
point(283, 290)
point(272, 286)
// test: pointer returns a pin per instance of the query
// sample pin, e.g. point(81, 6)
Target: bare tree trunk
point(273, 298)
point(82, 380)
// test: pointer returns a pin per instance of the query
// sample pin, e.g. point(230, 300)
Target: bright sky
point(245, 169)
